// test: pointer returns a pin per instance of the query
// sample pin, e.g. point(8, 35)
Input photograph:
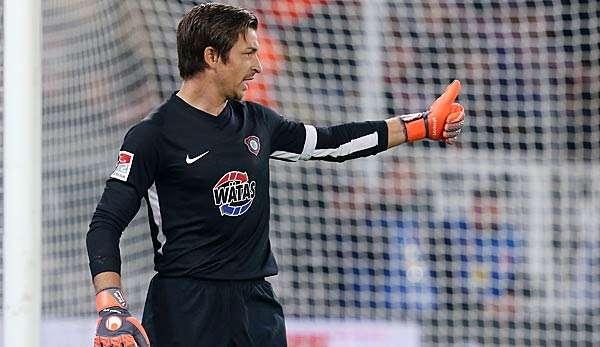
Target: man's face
point(241, 66)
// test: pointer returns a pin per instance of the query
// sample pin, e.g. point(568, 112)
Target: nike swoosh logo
point(192, 160)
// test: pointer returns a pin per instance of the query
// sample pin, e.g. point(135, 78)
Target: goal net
point(493, 241)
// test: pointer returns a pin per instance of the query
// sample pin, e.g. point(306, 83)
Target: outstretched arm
point(292, 141)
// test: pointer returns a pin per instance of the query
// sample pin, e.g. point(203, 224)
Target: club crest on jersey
point(234, 193)
point(123, 166)
point(253, 144)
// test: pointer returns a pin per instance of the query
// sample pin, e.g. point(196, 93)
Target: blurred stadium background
point(494, 241)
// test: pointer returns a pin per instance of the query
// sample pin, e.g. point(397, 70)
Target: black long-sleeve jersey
point(205, 179)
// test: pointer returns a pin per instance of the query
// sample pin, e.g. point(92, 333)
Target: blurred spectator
point(496, 259)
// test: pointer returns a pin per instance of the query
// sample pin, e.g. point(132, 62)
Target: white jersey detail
point(285, 155)
point(310, 143)
point(356, 145)
point(155, 206)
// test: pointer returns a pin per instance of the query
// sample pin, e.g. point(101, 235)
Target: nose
point(257, 65)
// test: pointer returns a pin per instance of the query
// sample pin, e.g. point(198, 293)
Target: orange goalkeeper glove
point(115, 326)
point(442, 122)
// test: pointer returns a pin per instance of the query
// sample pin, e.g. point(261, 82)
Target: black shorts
point(188, 312)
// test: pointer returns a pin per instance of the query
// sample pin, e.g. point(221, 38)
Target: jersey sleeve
point(133, 174)
point(293, 141)
point(117, 207)
point(138, 159)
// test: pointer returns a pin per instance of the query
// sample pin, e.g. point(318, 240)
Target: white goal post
point(22, 172)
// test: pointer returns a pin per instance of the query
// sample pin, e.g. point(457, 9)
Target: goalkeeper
point(200, 161)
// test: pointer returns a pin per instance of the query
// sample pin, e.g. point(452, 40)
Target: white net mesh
point(493, 241)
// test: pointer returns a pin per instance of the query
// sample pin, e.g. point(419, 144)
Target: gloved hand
point(116, 327)
point(442, 122)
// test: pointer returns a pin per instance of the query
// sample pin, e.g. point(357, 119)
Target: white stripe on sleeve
point(356, 145)
point(309, 151)
point(285, 155)
point(310, 143)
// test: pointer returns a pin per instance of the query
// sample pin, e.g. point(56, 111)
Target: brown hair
point(209, 25)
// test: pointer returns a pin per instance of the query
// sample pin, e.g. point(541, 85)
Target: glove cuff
point(416, 126)
point(110, 297)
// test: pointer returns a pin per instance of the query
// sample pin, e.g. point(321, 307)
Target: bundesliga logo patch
point(234, 193)
point(253, 144)
point(123, 166)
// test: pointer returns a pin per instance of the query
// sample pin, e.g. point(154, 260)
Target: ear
point(211, 57)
